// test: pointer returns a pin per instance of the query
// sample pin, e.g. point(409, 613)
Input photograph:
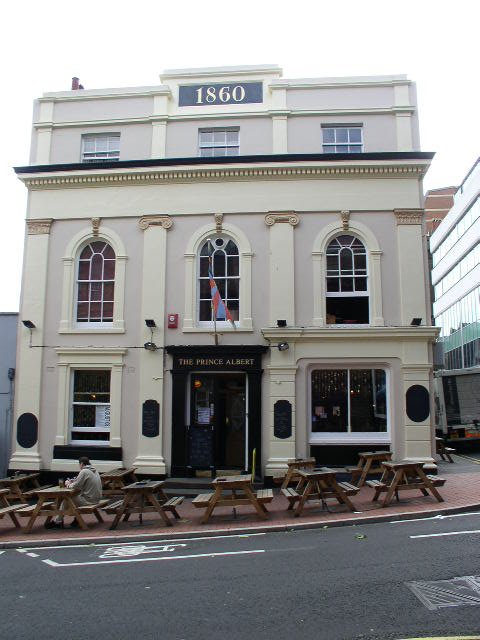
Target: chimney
point(76, 84)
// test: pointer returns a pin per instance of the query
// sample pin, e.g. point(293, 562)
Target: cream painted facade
point(282, 201)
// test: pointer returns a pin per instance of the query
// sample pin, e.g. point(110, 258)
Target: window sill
point(226, 329)
point(92, 330)
point(371, 437)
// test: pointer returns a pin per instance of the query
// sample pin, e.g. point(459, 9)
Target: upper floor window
point(222, 256)
point(95, 283)
point(342, 139)
point(101, 147)
point(219, 142)
point(347, 283)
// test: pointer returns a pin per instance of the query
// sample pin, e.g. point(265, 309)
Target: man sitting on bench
point(90, 485)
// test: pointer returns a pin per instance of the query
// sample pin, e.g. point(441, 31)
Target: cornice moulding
point(216, 173)
point(329, 333)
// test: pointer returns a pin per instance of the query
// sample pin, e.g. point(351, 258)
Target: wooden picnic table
point(140, 497)
point(58, 501)
point(21, 486)
point(294, 464)
point(115, 480)
point(6, 509)
point(369, 462)
point(405, 475)
point(442, 450)
point(319, 484)
point(238, 490)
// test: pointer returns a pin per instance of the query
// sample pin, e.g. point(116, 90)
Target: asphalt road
point(395, 580)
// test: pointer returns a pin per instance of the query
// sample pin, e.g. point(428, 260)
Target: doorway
point(218, 402)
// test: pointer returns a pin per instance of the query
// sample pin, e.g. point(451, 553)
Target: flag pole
point(214, 314)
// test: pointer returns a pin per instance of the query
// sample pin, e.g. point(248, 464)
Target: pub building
point(301, 200)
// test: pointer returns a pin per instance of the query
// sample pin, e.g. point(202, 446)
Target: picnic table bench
point(58, 501)
point(22, 486)
point(319, 484)
point(294, 464)
point(238, 490)
point(443, 451)
point(7, 509)
point(144, 497)
point(369, 462)
point(115, 480)
point(405, 476)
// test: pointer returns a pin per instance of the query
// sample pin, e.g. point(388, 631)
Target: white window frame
point(332, 147)
point(89, 443)
point(190, 319)
point(112, 152)
point(78, 282)
point(350, 437)
point(221, 324)
point(219, 148)
point(68, 323)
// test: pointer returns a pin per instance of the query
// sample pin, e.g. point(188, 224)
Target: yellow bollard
point(254, 462)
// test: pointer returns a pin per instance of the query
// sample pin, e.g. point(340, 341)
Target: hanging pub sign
point(199, 95)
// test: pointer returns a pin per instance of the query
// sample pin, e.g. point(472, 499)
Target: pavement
point(461, 494)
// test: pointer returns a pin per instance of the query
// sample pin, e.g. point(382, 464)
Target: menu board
point(200, 447)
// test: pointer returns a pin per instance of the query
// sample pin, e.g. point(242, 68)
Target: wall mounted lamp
point(416, 322)
point(151, 324)
point(29, 325)
point(150, 346)
point(281, 323)
point(283, 346)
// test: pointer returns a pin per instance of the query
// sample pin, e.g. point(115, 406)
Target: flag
point(219, 307)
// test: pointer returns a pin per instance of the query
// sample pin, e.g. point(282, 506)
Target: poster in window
point(102, 417)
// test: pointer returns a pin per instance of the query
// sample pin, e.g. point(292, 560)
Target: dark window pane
point(91, 382)
point(108, 252)
point(97, 246)
point(345, 241)
point(108, 289)
point(346, 284)
point(360, 284)
point(360, 263)
point(82, 310)
point(346, 260)
point(204, 289)
point(203, 267)
point(206, 249)
point(233, 266)
point(332, 265)
point(232, 289)
point(84, 270)
point(109, 269)
point(219, 264)
point(333, 284)
point(107, 311)
point(233, 306)
point(83, 291)
point(95, 311)
point(86, 253)
point(96, 291)
point(231, 248)
point(205, 311)
point(83, 416)
point(329, 401)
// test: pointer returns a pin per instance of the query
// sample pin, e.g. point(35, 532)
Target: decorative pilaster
point(44, 128)
point(413, 301)
point(282, 269)
point(28, 390)
point(150, 457)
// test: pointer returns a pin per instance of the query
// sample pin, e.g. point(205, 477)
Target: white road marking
point(449, 533)
point(438, 517)
point(32, 555)
point(52, 563)
point(113, 544)
point(1, 552)
point(137, 550)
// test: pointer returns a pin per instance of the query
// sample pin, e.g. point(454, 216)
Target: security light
point(416, 322)
point(283, 346)
point(29, 324)
point(281, 323)
point(151, 324)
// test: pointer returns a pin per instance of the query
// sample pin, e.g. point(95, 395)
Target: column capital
point(408, 216)
point(155, 221)
point(288, 217)
point(39, 226)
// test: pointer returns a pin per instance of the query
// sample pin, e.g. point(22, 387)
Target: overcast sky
point(114, 43)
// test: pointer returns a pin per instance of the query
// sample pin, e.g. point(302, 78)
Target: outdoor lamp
point(29, 324)
point(283, 346)
point(151, 324)
point(416, 322)
point(150, 346)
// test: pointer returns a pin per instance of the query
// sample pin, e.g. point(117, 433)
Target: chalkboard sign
point(200, 447)
point(27, 430)
point(282, 419)
point(150, 419)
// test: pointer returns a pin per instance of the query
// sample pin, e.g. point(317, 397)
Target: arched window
point(95, 283)
point(347, 281)
point(221, 253)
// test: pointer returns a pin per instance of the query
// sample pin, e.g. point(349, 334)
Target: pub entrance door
point(218, 402)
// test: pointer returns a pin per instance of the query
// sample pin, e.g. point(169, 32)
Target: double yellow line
point(475, 461)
